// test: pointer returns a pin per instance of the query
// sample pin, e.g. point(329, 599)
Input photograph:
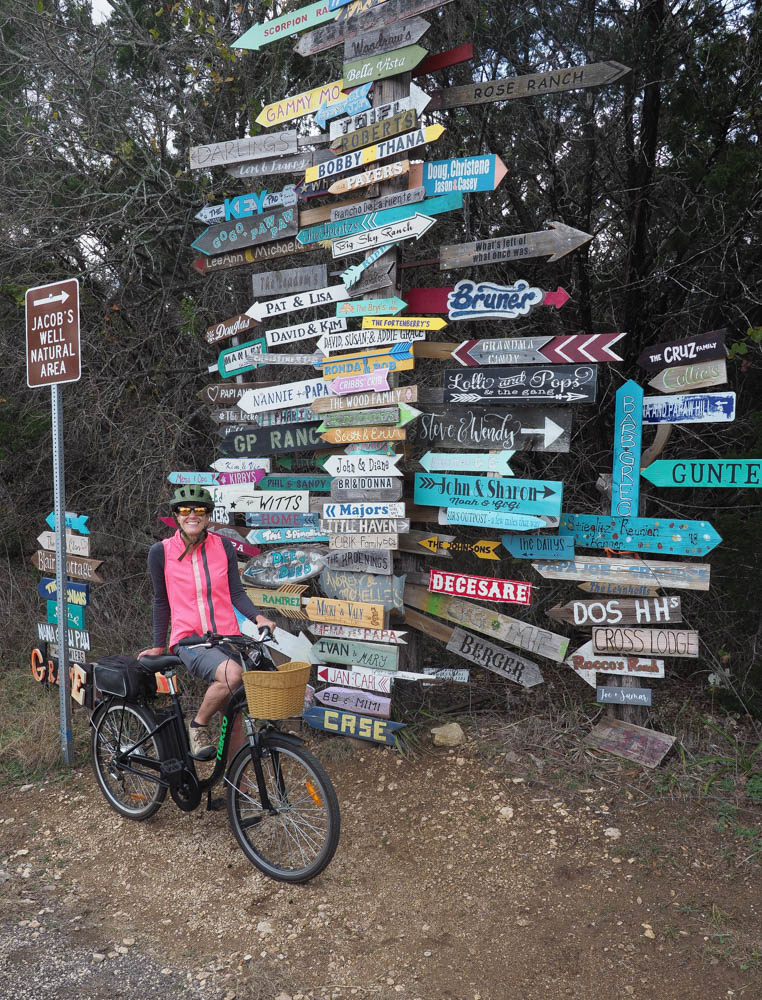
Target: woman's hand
point(154, 651)
point(263, 622)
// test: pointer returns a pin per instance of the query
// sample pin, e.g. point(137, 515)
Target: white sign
point(341, 511)
point(357, 339)
point(237, 500)
point(412, 228)
point(304, 300)
point(418, 101)
point(278, 397)
point(318, 327)
point(363, 465)
point(240, 464)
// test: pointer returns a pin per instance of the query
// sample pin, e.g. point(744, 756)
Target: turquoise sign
point(494, 519)
point(539, 546)
point(720, 473)
point(353, 104)
point(657, 535)
point(509, 495)
point(287, 24)
point(373, 220)
point(371, 307)
point(466, 173)
point(74, 522)
point(628, 432)
point(236, 360)
point(283, 536)
point(315, 484)
point(75, 615)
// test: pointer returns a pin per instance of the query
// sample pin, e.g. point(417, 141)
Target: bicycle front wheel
point(134, 793)
point(296, 841)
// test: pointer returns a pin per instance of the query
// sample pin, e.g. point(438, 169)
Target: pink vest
point(197, 588)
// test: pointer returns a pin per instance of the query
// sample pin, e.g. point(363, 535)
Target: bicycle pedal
point(213, 805)
point(172, 771)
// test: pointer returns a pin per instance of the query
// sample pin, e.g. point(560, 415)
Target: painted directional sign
point(300, 104)
point(287, 24)
point(532, 85)
point(75, 638)
point(243, 205)
point(76, 593)
point(289, 279)
point(385, 39)
point(354, 272)
point(375, 219)
point(75, 615)
point(295, 164)
point(466, 173)
point(559, 384)
point(363, 465)
point(236, 478)
point(355, 701)
point(696, 376)
point(377, 562)
point(520, 428)
point(289, 515)
point(351, 511)
point(379, 151)
point(78, 566)
point(371, 307)
point(471, 300)
point(250, 147)
point(503, 662)
point(694, 408)
point(382, 66)
point(376, 381)
point(388, 171)
point(525, 496)
point(628, 431)
point(291, 358)
point(537, 350)
point(388, 635)
point(283, 536)
point(366, 526)
point(402, 323)
point(239, 359)
point(355, 339)
point(363, 400)
point(240, 464)
point(710, 473)
point(619, 589)
point(72, 522)
point(280, 396)
point(680, 575)
point(703, 347)
point(486, 588)
point(539, 546)
point(76, 545)
point(239, 499)
point(228, 328)
point(446, 546)
point(323, 609)
point(441, 60)
point(491, 519)
point(354, 487)
point(304, 300)
point(619, 611)
point(276, 418)
point(556, 242)
point(660, 536)
point(359, 543)
point(411, 228)
point(445, 461)
point(313, 483)
point(623, 696)
point(398, 357)
point(274, 440)
point(373, 17)
point(587, 663)
point(352, 104)
point(404, 121)
point(251, 255)
point(361, 727)
point(372, 656)
point(645, 641)
point(355, 435)
point(283, 566)
point(367, 680)
point(417, 101)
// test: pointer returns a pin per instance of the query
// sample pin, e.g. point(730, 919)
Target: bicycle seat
point(165, 661)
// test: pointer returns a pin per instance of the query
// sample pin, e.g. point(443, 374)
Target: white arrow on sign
point(363, 465)
point(61, 297)
point(418, 100)
point(550, 432)
point(304, 300)
point(411, 228)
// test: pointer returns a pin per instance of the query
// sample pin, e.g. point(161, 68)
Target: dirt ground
point(455, 879)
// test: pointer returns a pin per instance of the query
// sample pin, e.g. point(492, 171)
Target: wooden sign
point(232, 465)
point(353, 435)
point(369, 655)
point(363, 465)
point(645, 641)
point(73, 655)
point(374, 176)
point(417, 101)
point(353, 511)
point(278, 566)
point(659, 536)
point(77, 566)
point(287, 600)
point(256, 169)
point(303, 300)
point(358, 543)
point(72, 522)
point(405, 121)
point(76, 545)
point(365, 587)
point(313, 483)
point(468, 462)
point(276, 418)
point(402, 323)
point(351, 104)
point(690, 576)
point(75, 638)
point(396, 199)
point(75, 616)
point(367, 562)
point(486, 588)
point(286, 536)
point(240, 500)
point(696, 376)
point(695, 408)
point(619, 589)
point(701, 348)
point(618, 611)
point(539, 546)
point(456, 675)
point(380, 219)
point(251, 255)
point(556, 242)
point(586, 663)
point(502, 662)
point(274, 440)
point(379, 151)
point(441, 60)
point(366, 680)
point(251, 147)
point(505, 521)
point(382, 66)
point(278, 397)
point(361, 727)
point(623, 696)
point(243, 205)
point(360, 487)
point(355, 701)
point(383, 416)
point(531, 85)
point(535, 350)
point(447, 545)
point(497, 626)
point(371, 448)
point(287, 24)
point(371, 307)
point(229, 328)
point(300, 104)
point(526, 496)
point(466, 173)
point(388, 13)
point(227, 394)
point(384, 39)
point(289, 280)
point(76, 593)
point(387, 635)
point(291, 517)
point(239, 359)
point(411, 228)
point(559, 384)
point(644, 746)
point(716, 474)
point(471, 300)
point(300, 360)
point(322, 609)
point(625, 484)
point(519, 429)
point(366, 526)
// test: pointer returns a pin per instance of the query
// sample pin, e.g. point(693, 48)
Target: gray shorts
point(203, 662)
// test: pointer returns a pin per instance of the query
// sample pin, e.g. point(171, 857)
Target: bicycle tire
point(131, 795)
point(299, 842)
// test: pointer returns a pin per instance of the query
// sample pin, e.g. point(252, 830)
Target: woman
point(196, 586)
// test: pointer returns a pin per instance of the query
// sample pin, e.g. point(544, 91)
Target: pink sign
point(485, 587)
point(372, 382)
point(244, 476)
point(355, 701)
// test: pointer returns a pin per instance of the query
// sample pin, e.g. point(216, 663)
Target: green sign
point(75, 615)
point(287, 24)
point(368, 655)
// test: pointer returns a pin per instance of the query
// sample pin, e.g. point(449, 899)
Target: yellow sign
point(322, 609)
point(359, 435)
point(402, 323)
point(301, 104)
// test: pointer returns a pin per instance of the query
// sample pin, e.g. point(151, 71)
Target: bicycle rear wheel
point(297, 842)
point(131, 794)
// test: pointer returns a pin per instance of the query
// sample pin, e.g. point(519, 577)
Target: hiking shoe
point(201, 745)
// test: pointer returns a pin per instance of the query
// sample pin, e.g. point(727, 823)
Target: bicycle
point(281, 804)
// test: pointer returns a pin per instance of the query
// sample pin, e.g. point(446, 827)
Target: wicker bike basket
point(277, 695)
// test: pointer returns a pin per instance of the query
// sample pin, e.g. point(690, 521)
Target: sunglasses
point(185, 511)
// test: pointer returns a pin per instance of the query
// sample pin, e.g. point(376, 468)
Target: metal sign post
point(53, 358)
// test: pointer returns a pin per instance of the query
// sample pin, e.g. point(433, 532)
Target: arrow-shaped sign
point(363, 465)
point(303, 331)
point(721, 473)
point(353, 274)
point(74, 522)
point(417, 101)
point(287, 24)
point(300, 104)
point(379, 151)
point(479, 461)
point(76, 545)
point(398, 357)
point(244, 205)
point(304, 300)
point(371, 307)
point(374, 15)
point(692, 408)
point(377, 381)
point(382, 66)
point(557, 242)
point(483, 549)
point(557, 384)
point(471, 300)
point(354, 339)
point(270, 226)
point(482, 493)
point(411, 228)
point(491, 519)
point(368, 680)
point(374, 220)
point(585, 662)
point(658, 536)
point(402, 323)
point(352, 104)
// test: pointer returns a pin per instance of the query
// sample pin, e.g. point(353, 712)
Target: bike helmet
point(192, 494)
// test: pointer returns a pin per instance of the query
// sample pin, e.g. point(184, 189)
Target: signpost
point(364, 400)
point(692, 350)
point(377, 561)
point(239, 359)
point(274, 440)
point(539, 546)
point(376, 219)
point(709, 473)
point(411, 228)
point(586, 662)
point(352, 104)
point(300, 104)
point(277, 397)
point(416, 101)
point(367, 587)
point(625, 484)
point(467, 174)
point(313, 483)
point(516, 429)
point(382, 66)
point(645, 641)
point(304, 300)
point(535, 350)
point(559, 384)
point(364, 338)
point(368, 177)
point(690, 576)
point(253, 203)
point(526, 496)
point(371, 307)
point(278, 566)
point(295, 164)
point(358, 543)
point(359, 487)
point(444, 461)
point(285, 536)
point(228, 328)
point(618, 611)
point(388, 13)
point(697, 408)
point(388, 635)
point(355, 701)
point(289, 279)
point(367, 135)
point(503, 662)
point(398, 357)
point(76, 545)
point(287, 24)
point(491, 519)
point(385, 39)
point(367, 680)
point(660, 536)
point(553, 243)
point(323, 609)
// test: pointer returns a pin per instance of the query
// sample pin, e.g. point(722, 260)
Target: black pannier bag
point(124, 676)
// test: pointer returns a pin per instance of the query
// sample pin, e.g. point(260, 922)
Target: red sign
point(463, 53)
point(52, 334)
point(485, 587)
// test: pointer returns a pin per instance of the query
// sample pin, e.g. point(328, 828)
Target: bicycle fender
point(282, 737)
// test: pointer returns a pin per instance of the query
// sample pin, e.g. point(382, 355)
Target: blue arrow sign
point(517, 496)
point(374, 220)
point(362, 727)
point(539, 546)
point(282, 536)
point(74, 522)
point(657, 535)
point(692, 408)
point(353, 104)
point(628, 433)
point(466, 173)
point(196, 478)
point(76, 593)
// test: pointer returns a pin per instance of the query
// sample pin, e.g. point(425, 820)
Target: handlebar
point(241, 641)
